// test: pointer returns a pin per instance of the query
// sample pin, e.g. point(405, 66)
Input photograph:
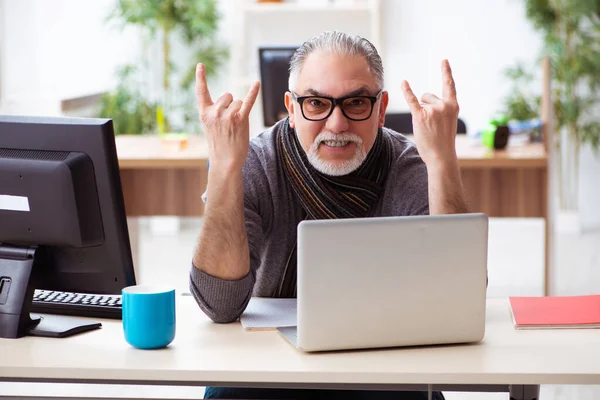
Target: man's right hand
point(225, 123)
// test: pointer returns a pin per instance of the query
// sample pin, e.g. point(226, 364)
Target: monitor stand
point(17, 285)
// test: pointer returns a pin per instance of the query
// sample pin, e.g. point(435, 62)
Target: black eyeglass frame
point(335, 102)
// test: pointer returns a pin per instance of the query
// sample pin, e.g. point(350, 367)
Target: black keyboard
point(77, 304)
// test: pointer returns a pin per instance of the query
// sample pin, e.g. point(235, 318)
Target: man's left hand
point(435, 121)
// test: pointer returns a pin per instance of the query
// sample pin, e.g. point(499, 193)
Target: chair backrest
point(402, 123)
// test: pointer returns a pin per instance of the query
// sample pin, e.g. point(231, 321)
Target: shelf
point(301, 7)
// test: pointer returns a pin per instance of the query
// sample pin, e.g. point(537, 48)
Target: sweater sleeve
point(222, 300)
point(413, 181)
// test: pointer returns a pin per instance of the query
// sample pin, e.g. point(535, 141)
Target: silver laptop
point(390, 281)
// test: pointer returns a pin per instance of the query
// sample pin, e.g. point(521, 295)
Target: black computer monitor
point(62, 216)
point(274, 74)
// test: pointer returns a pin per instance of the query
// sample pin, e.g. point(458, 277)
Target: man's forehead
point(332, 74)
point(363, 90)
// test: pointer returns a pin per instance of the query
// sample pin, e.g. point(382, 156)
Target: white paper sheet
point(269, 314)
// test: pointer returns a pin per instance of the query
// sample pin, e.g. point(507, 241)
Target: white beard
point(338, 168)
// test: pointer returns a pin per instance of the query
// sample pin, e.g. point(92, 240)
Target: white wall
point(479, 38)
point(589, 189)
point(2, 58)
point(63, 48)
point(59, 49)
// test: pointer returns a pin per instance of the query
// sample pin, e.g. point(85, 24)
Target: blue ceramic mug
point(148, 316)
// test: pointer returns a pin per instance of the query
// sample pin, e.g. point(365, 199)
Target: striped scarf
point(329, 197)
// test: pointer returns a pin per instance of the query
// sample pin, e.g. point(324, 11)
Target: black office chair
point(402, 123)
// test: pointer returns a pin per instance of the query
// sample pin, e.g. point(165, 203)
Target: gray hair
point(337, 43)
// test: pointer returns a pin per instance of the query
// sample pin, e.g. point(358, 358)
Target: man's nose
point(337, 121)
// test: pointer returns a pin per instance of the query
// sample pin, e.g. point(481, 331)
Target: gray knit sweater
point(273, 211)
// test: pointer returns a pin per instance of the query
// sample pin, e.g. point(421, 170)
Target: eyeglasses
point(318, 108)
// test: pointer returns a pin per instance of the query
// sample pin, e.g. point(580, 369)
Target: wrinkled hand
point(435, 121)
point(225, 123)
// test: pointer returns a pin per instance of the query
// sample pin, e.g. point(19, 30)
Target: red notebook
point(556, 312)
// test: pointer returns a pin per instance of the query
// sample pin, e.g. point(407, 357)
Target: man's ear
point(383, 107)
point(289, 104)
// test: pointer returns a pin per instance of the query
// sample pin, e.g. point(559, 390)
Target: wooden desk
point(505, 183)
point(205, 353)
point(160, 181)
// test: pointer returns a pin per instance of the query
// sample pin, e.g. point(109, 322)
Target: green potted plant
point(195, 23)
point(571, 32)
point(130, 111)
point(522, 103)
